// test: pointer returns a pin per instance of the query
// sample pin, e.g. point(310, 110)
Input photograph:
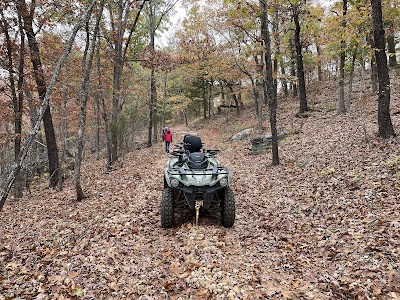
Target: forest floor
point(324, 224)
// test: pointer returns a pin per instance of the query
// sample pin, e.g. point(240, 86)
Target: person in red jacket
point(167, 139)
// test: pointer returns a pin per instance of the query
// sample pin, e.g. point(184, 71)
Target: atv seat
point(193, 142)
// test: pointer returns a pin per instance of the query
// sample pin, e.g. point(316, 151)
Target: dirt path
point(322, 225)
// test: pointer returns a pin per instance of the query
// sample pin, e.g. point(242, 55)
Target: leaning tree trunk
point(385, 123)
point(16, 167)
point(52, 150)
point(300, 67)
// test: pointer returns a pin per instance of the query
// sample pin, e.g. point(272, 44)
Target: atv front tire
point(167, 208)
point(228, 208)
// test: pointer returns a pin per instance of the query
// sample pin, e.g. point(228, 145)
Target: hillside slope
point(325, 224)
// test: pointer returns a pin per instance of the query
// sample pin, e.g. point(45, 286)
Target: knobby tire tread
point(228, 208)
point(167, 208)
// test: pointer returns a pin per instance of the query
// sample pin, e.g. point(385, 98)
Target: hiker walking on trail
point(167, 139)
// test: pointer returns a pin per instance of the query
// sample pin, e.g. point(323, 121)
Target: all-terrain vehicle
point(193, 178)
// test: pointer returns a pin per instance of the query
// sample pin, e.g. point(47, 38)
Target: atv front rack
point(186, 171)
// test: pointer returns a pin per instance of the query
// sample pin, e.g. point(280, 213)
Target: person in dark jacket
point(163, 132)
point(167, 139)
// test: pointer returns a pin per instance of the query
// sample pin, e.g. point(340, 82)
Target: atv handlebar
point(182, 148)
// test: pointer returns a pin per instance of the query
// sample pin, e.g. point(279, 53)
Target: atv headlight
point(174, 182)
point(223, 182)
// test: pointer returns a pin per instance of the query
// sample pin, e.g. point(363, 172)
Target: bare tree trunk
point(38, 145)
point(86, 69)
point(17, 100)
point(119, 25)
point(293, 69)
point(154, 101)
point(16, 167)
point(271, 88)
point(260, 84)
point(118, 68)
point(151, 108)
point(97, 122)
point(353, 61)
point(164, 101)
point(211, 99)
point(300, 67)
point(342, 106)
point(256, 92)
point(374, 71)
point(52, 150)
point(319, 65)
point(63, 118)
point(103, 108)
point(385, 123)
point(63, 135)
point(153, 86)
point(275, 29)
point(391, 43)
point(204, 100)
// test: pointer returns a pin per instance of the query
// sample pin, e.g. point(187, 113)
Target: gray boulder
point(260, 143)
point(241, 135)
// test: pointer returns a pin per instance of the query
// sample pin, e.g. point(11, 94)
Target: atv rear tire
point(167, 208)
point(228, 208)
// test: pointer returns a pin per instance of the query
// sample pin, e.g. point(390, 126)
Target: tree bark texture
point(384, 121)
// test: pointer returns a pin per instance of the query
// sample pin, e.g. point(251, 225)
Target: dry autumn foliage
point(325, 224)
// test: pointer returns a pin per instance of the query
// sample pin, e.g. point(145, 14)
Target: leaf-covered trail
point(323, 225)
